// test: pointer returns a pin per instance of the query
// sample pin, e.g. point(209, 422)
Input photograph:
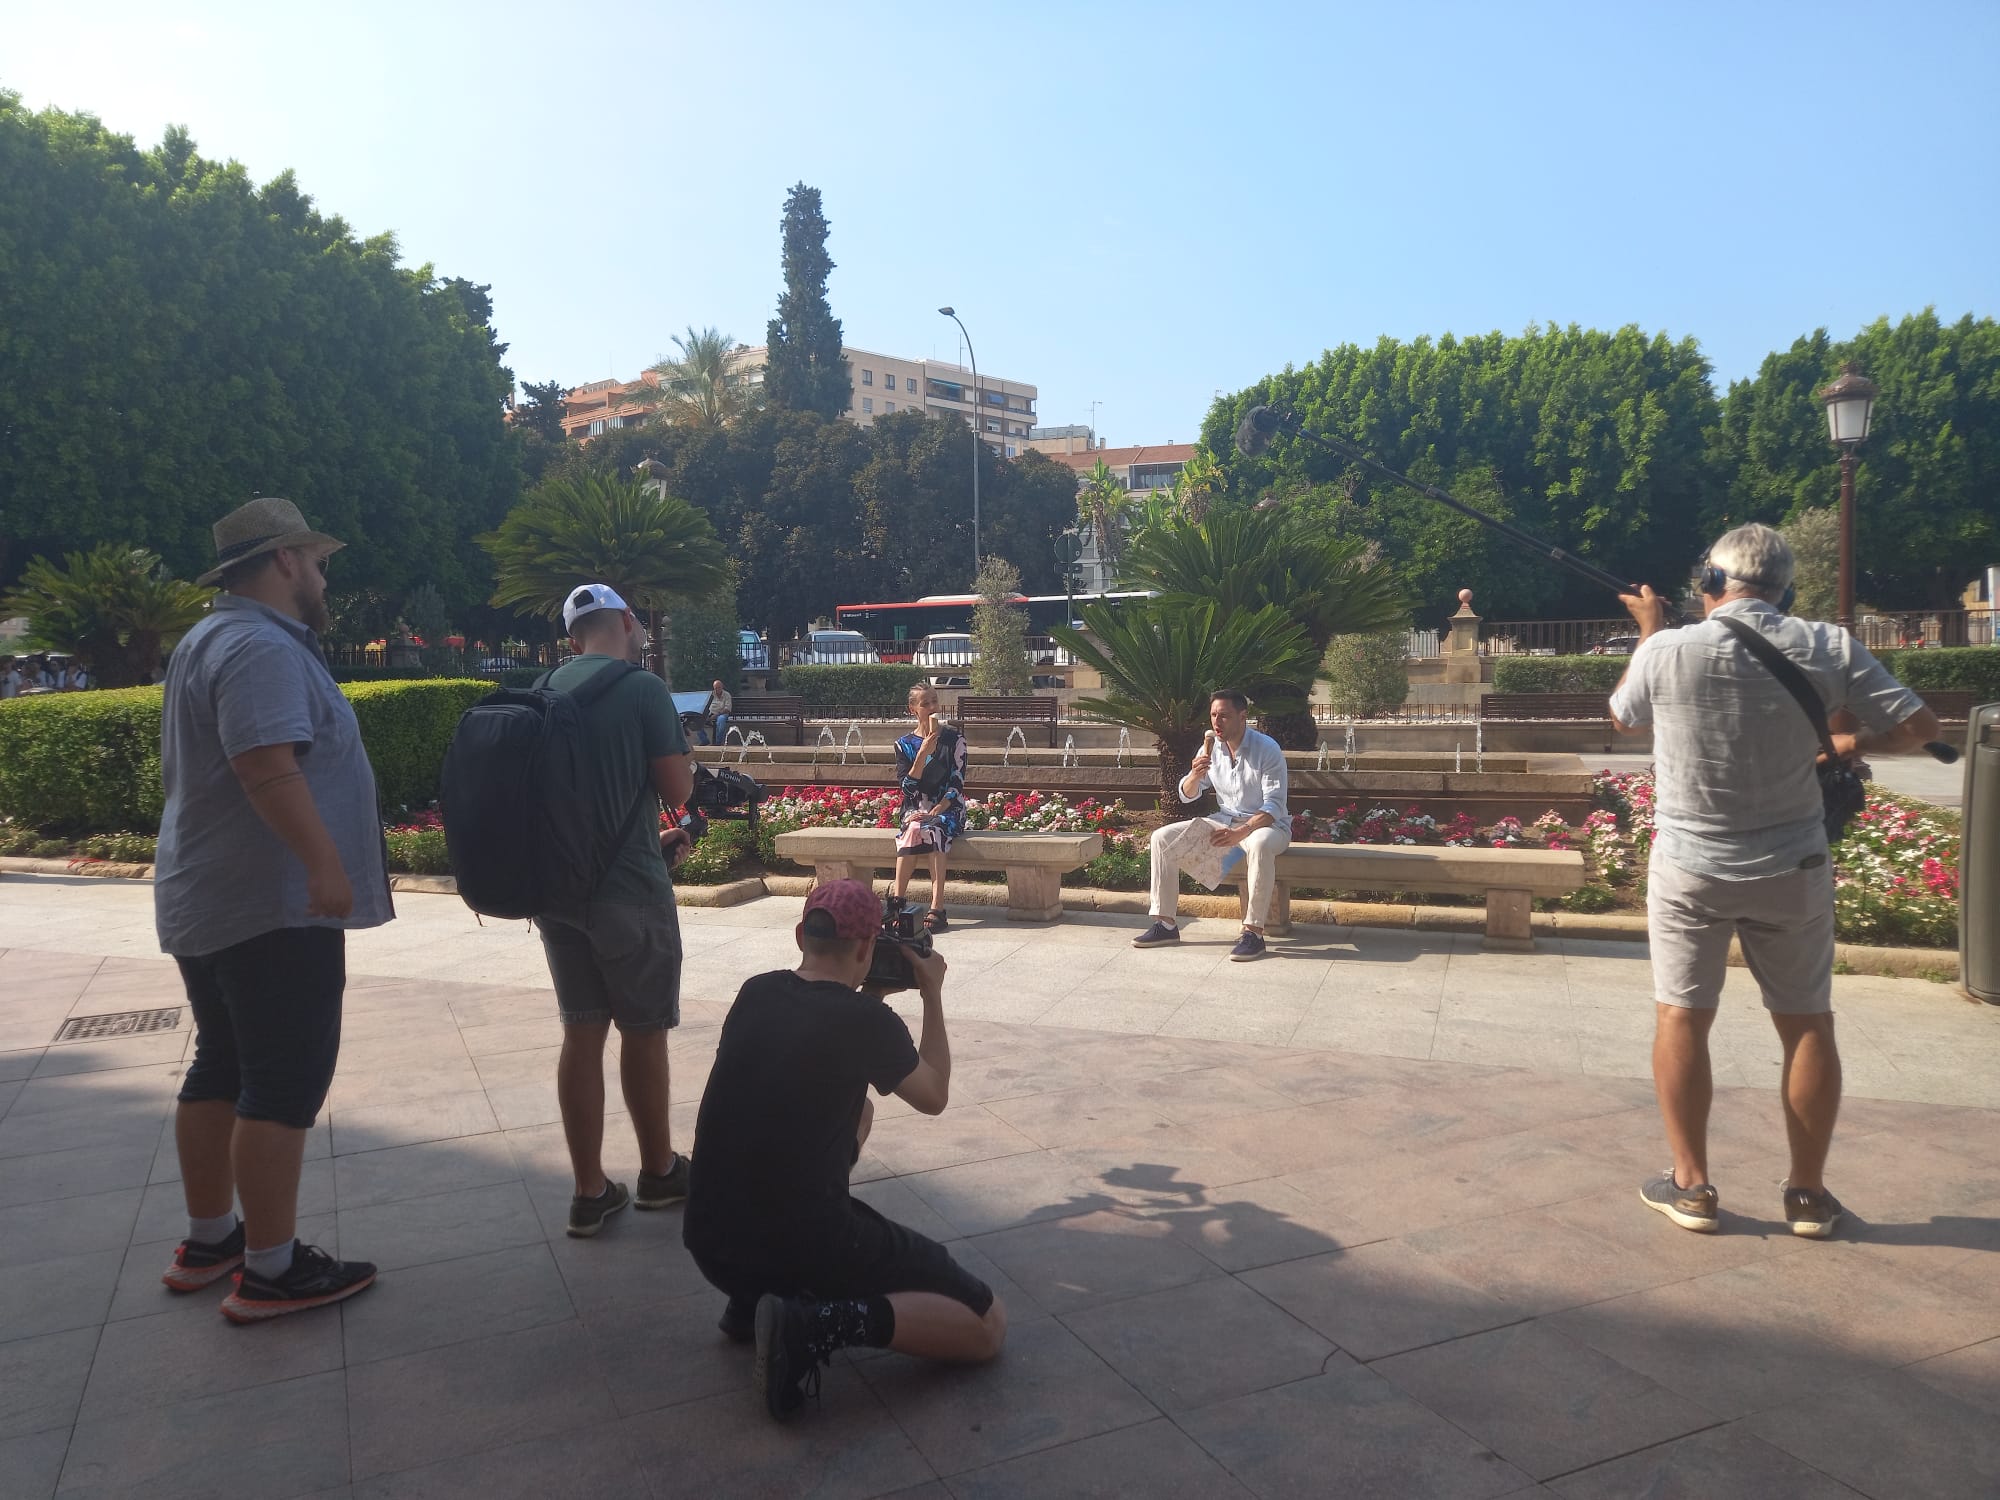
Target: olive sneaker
point(665, 1190)
point(587, 1215)
point(1697, 1208)
point(197, 1265)
point(1815, 1215)
point(314, 1279)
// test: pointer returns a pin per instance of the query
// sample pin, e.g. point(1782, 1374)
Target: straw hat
point(264, 525)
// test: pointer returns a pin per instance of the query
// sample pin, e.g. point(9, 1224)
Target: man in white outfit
point(1247, 771)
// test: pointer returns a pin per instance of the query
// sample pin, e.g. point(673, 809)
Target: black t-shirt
point(775, 1137)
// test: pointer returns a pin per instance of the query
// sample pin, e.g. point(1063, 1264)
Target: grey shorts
point(1785, 923)
point(624, 965)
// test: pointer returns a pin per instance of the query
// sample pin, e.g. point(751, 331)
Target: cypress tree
point(806, 370)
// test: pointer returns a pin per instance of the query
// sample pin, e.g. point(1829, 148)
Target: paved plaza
point(1357, 1220)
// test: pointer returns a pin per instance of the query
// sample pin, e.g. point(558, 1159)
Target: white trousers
point(1260, 855)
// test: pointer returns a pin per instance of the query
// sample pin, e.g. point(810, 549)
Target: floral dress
point(945, 797)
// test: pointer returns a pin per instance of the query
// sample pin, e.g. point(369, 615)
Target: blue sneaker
point(1157, 935)
point(1248, 947)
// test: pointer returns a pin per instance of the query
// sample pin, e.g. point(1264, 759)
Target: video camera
point(902, 934)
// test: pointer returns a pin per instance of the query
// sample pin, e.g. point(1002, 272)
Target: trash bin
point(1979, 858)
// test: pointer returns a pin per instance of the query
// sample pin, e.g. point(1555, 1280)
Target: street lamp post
point(1850, 404)
point(978, 436)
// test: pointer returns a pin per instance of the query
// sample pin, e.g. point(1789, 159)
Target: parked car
point(754, 653)
point(836, 648)
point(945, 657)
point(1617, 645)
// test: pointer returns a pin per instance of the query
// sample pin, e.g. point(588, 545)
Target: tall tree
point(1597, 441)
point(1101, 506)
point(999, 631)
point(543, 409)
point(697, 388)
point(178, 339)
point(1927, 492)
point(806, 369)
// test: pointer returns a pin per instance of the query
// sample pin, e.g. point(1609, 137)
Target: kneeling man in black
point(808, 1269)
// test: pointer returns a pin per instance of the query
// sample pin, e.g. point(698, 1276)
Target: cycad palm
point(113, 608)
point(653, 548)
point(1249, 559)
point(697, 389)
point(1160, 661)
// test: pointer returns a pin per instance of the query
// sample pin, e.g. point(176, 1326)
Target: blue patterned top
point(949, 803)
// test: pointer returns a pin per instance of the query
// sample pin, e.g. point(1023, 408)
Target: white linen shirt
point(1255, 779)
point(1736, 794)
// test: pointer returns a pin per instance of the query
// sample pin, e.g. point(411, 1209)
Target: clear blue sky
point(1135, 204)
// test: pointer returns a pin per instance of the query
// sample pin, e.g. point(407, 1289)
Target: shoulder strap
point(1789, 677)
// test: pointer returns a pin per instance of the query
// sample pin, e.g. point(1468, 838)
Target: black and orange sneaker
point(315, 1279)
point(197, 1265)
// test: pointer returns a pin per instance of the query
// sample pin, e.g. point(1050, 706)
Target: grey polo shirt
point(1733, 753)
point(246, 677)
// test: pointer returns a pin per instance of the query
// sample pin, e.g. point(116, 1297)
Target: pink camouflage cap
point(850, 907)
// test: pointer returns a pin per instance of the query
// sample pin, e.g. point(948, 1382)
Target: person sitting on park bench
point(807, 1268)
point(1248, 773)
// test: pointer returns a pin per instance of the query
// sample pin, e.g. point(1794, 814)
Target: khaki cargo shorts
point(1785, 923)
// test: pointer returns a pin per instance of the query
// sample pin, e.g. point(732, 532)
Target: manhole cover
point(119, 1023)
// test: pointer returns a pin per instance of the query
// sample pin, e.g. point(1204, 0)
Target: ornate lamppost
point(1850, 404)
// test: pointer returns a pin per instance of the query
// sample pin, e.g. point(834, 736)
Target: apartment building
point(1153, 467)
point(884, 384)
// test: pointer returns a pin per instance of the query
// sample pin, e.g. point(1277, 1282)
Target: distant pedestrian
point(619, 960)
point(1741, 850)
point(717, 711)
point(11, 679)
point(270, 848)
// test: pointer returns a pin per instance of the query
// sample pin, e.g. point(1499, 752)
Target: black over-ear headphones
point(1714, 582)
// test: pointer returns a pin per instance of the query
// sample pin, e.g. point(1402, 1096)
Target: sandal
point(936, 921)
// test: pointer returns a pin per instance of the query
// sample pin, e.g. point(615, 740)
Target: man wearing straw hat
point(270, 848)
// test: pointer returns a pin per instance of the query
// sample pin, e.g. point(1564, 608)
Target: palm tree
point(1160, 661)
point(653, 548)
point(697, 389)
point(1249, 559)
point(1101, 505)
point(113, 608)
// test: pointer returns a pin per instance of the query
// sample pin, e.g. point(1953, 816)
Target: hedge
point(876, 692)
point(80, 763)
point(1558, 674)
point(1948, 669)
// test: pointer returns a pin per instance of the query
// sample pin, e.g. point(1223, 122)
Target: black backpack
point(515, 797)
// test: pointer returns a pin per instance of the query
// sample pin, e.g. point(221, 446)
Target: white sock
point(272, 1263)
point(211, 1231)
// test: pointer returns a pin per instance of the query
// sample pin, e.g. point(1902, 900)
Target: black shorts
point(877, 1257)
point(267, 1023)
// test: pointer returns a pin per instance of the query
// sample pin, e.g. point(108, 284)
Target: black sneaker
point(1156, 936)
point(1697, 1208)
point(788, 1358)
point(1814, 1215)
point(315, 1279)
point(587, 1215)
point(665, 1190)
point(738, 1322)
point(197, 1265)
point(1249, 948)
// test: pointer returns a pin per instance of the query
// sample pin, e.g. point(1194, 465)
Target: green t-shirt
point(627, 729)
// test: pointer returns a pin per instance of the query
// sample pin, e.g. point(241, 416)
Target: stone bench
point(1034, 863)
point(1509, 879)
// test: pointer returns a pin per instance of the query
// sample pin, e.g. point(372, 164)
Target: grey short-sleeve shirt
point(245, 677)
point(1737, 796)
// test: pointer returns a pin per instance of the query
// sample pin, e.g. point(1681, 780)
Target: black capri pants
point(874, 1258)
point(267, 1023)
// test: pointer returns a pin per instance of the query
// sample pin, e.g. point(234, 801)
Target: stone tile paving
point(1359, 1220)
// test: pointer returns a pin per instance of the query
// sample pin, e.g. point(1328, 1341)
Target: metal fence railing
point(1910, 629)
point(1556, 637)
